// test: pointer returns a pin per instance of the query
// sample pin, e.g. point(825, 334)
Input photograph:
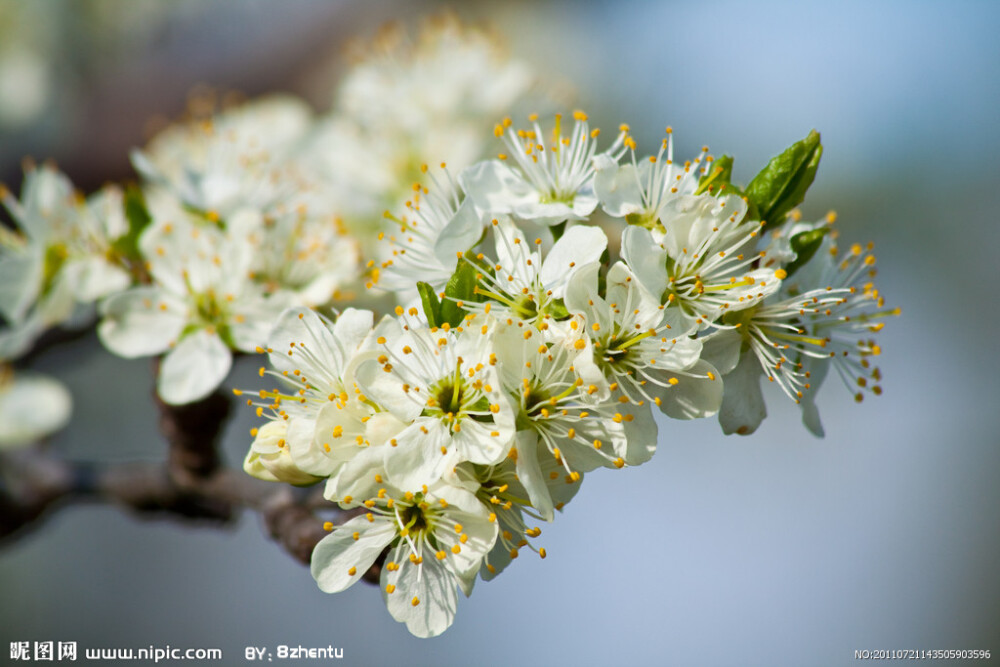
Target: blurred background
point(773, 549)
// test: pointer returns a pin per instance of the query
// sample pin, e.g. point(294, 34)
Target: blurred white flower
point(408, 102)
point(201, 305)
point(237, 159)
point(26, 84)
point(61, 258)
point(32, 407)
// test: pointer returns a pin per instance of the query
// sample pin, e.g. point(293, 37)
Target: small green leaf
point(134, 205)
point(805, 245)
point(461, 288)
point(558, 230)
point(718, 177)
point(557, 309)
point(602, 275)
point(429, 300)
point(781, 185)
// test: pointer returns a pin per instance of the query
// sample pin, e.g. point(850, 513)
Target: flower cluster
point(245, 210)
point(526, 349)
point(521, 357)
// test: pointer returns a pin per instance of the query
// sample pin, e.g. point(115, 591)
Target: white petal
point(386, 390)
point(722, 349)
point(193, 369)
point(617, 187)
point(529, 473)
point(339, 553)
point(94, 278)
point(493, 187)
point(356, 478)
point(32, 407)
point(580, 245)
point(550, 213)
point(302, 328)
point(20, 281)
point(417, 458)
point(640, 434)
point(459, 235)
point(18, 339)
point(646, 258)
point(623, 287)
point(352, 326)
point(141, 322)
point(581, 293)
point(304, 447)
point(817, 370)
point(475, 444)
point(694, 397)
point(433, 586)
point(252, 317)
point(743, 406)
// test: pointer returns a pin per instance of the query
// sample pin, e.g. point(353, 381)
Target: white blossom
point(200, 306)
point(61, 259)
point(704, 266)
point(437, 538)
point(32, 406)
point(546, 183)
point(640, 190)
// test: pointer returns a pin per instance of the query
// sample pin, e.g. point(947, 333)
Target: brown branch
point(191, 484)
point(38, 483)
point(192, 431)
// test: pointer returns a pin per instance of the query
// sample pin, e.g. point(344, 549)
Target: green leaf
point(461, 288)
point(557, 309)
point(805, 245)
point(429, 300)
point(558, 230)
point(781, 185)
point(134, 205)
point(720, 175)
point(602, 275)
